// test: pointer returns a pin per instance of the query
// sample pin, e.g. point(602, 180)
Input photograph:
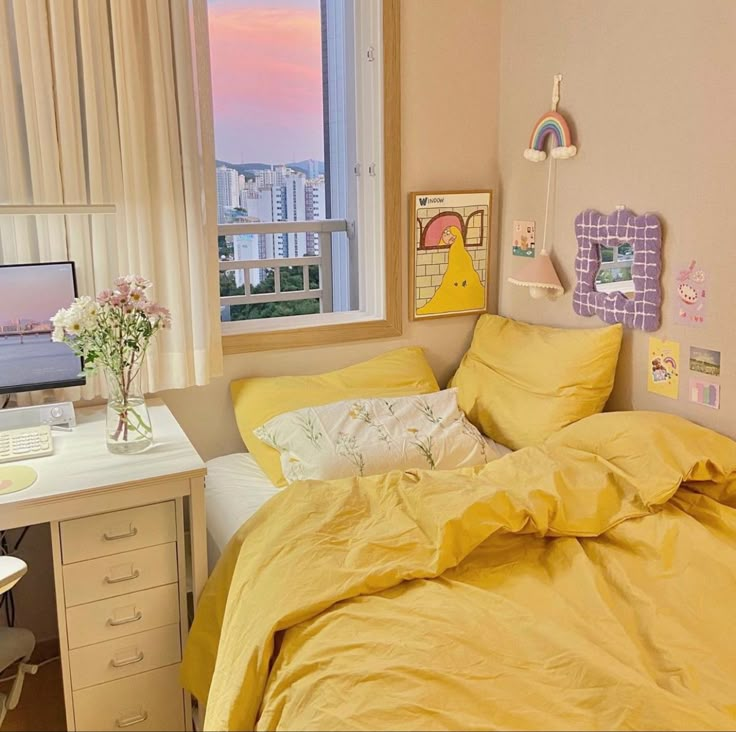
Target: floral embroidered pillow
point(360, 437)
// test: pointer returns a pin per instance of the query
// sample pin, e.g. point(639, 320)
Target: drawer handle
point(130, 721)
point(126, 535)
point(124, 621)
point(114, 580)
point(127, 661)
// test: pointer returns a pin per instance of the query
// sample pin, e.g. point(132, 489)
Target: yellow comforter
point(569, 586)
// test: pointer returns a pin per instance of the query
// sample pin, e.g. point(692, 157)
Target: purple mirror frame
point(644, 233)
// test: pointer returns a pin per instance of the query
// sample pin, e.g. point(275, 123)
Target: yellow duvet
point(589, 583)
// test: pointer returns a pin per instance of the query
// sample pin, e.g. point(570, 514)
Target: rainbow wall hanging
point(551, 124)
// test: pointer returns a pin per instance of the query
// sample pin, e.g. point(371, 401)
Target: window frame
point(324, 328)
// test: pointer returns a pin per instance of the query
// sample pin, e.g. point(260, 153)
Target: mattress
point(235, 488)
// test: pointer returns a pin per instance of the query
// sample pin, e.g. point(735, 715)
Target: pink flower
point(158, 314)
point(104, 296)
point(138, 297)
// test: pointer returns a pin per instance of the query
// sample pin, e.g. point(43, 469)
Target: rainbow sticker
point(550, 124)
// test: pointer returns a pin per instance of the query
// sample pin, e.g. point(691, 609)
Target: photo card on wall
point(663, 372)
point(705, 361)
point(524, 243)
point(704, 392)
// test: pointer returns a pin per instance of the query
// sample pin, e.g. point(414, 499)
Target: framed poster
point(449, 234)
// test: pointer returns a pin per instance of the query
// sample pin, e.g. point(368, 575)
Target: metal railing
point(323, 228)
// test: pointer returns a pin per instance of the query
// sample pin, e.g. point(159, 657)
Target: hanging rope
point(552, 162)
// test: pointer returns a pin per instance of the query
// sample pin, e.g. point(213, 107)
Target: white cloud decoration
point(536, 156)
point(563, 153)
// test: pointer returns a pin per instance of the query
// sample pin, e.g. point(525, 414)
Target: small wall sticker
point(705, 361)
point(524, 238)
point(663, 376)
point(691, 295)
point(705, 392)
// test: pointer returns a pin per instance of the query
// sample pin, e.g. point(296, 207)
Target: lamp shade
point(539, 276)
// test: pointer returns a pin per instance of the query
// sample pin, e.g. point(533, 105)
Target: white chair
point(16, 644)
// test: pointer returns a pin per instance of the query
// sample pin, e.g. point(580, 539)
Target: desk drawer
point(119, 574)
point(149, 701)
point(118, 531)
point(116, 617)
point(127, 656)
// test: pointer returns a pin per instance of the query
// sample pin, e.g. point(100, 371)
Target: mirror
point(614, 271)
point(618, 264)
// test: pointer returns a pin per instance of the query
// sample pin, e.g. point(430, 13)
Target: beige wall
point(649, 87)
point(449, 137)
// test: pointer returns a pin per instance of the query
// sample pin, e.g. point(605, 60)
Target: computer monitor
point(30, 295)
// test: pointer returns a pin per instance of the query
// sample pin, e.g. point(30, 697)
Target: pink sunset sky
point(34, 293)
point(266, 60)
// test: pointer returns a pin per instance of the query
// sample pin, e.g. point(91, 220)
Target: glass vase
point(128, 421)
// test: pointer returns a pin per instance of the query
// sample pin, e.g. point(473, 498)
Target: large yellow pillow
point(402, 372)
point(519, 383)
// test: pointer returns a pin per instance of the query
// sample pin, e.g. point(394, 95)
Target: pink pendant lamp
point(539, 274)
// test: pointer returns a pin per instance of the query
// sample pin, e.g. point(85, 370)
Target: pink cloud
point(267, 82)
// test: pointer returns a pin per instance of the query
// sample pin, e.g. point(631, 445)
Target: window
point(305, 172)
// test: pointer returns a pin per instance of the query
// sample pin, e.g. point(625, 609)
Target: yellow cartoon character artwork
point(461, 288)
point(450, 260)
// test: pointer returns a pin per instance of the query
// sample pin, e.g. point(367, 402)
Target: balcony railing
point(323, 228)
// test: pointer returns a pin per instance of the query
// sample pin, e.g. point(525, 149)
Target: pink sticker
point(690, 296)
point(706, 393)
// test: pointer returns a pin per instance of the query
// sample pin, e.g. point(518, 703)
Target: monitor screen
point(30, 295)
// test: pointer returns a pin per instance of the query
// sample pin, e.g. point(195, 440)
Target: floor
point(41, 704)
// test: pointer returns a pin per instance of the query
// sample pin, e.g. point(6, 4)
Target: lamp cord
point(552, 162)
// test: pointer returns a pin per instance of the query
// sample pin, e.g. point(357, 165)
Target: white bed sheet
point(235, 488)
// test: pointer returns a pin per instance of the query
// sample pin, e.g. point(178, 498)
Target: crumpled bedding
point(588, 583)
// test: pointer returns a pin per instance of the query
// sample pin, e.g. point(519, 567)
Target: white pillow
point(360, 437)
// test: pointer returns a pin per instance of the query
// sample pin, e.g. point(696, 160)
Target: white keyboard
point(24, 443)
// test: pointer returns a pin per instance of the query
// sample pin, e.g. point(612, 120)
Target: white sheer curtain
point(98, 106)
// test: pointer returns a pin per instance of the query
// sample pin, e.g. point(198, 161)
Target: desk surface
point(81, 460)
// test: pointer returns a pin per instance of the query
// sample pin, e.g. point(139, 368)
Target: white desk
point(120, 569)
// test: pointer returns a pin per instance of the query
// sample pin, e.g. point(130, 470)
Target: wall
point(449, 135)
point(648, 86)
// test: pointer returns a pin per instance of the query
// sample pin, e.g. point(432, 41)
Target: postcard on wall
point(664, 367)
point(691, 295)
point(524, 238)
point(450, 233)
point(705, 361)
point(705, 392)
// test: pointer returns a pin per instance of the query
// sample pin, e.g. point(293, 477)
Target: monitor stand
point(14, 478)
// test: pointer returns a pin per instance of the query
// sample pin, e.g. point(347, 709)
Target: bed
point(584, 583)
point(235, 489)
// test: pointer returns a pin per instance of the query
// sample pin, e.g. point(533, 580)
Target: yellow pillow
point(402, 372)
point(519, 383)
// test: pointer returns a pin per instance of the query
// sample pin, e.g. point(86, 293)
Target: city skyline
point(266, 60)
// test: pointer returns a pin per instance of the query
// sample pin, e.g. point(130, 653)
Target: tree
point(292, 280)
